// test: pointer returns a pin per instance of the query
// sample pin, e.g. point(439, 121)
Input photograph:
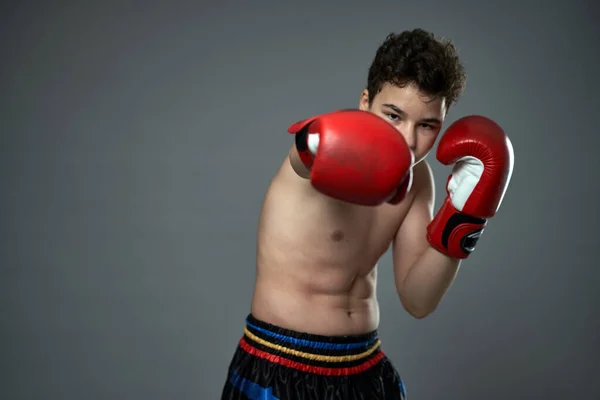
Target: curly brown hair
point(418, 57)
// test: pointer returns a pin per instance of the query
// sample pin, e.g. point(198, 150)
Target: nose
point(410, 136)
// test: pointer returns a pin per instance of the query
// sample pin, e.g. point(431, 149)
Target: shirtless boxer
point(354, 184)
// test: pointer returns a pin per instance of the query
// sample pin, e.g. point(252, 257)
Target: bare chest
point(308, 225)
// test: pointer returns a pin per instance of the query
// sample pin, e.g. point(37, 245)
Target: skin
point(317, 257)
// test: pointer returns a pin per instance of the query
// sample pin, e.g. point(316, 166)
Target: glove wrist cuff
point(301, 140)
point(454, 233)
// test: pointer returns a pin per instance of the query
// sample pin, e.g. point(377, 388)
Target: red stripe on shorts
point(340, 371)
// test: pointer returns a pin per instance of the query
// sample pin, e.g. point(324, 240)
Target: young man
point(355, 183)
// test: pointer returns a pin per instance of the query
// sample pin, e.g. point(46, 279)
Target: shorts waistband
point(327, 355)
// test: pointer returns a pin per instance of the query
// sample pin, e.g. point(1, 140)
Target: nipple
point(337, 235)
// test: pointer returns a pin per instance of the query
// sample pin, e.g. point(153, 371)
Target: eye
point(427, 126)
point(393, 117)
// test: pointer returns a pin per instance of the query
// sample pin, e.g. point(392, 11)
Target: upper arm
point(410, 240)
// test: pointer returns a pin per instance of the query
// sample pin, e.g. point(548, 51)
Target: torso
point(317, 258)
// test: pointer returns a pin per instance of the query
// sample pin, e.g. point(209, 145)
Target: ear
point(363, 103)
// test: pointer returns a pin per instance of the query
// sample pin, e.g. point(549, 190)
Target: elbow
point(419, 314)
point(417, 311)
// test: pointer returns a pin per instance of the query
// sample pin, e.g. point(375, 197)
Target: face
point(415, 115)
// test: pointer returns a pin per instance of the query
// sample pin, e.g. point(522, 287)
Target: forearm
point(297, 164)
point(427, 281)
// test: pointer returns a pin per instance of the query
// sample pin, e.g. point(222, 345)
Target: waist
point(316, 313)
point(320, 354)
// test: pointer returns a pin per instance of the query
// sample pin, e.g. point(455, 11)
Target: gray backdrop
point(137, 142)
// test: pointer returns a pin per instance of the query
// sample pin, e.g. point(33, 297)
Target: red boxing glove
point(483, 161)
point(355, 156)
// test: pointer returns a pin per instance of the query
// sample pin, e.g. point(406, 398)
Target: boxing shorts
point(272, 363)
